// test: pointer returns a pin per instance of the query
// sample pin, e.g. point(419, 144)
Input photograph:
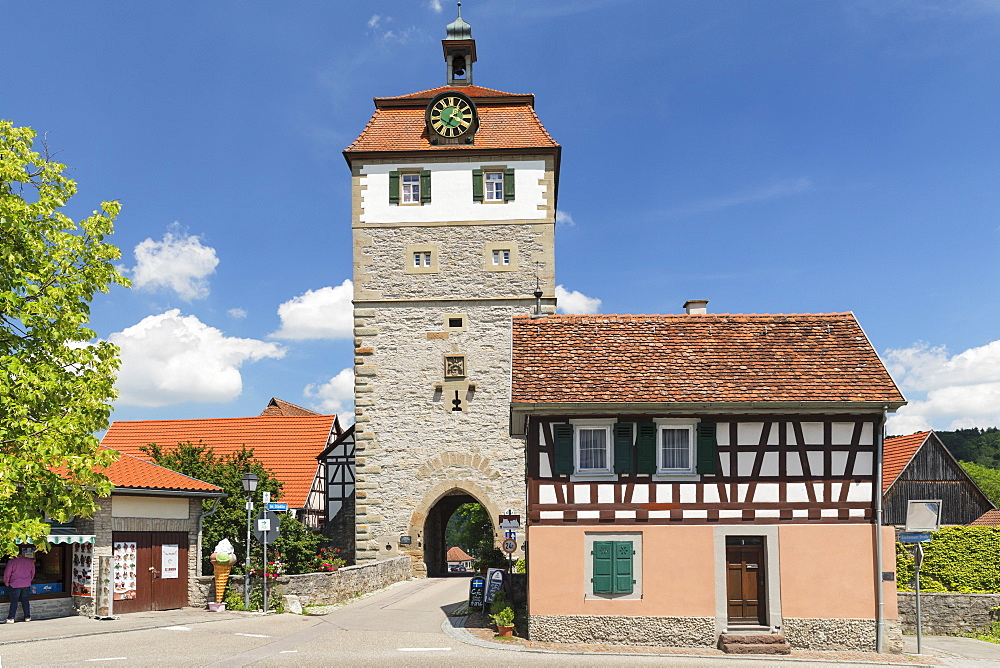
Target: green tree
point(297, 544)
point(988, 480)
point(55, 385)
point(471, 528)
point(226, 471)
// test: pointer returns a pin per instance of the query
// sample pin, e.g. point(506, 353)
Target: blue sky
point(775, 157)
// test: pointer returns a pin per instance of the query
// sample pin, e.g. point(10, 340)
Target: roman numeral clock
point(451, 119)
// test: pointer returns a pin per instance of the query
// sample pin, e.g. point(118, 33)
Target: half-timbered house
point(691, 475)
point(919, 466)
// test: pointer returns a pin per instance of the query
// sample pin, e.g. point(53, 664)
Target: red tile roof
point(696, 358)
point(134, 473)
point(286, 446)
point(991, 518)
point(506, 121)
point(457, 554)
point(897, 451)
point(279, 407)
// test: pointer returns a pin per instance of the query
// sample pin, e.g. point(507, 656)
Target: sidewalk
point(69, 627)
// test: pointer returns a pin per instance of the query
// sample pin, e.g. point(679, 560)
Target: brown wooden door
point(745, 584)
point(138, 563)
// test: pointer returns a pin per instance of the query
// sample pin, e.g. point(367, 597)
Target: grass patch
point(990, 634)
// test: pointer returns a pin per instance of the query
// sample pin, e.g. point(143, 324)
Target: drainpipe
point(877, 489)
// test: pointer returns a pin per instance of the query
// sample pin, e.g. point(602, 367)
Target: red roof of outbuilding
point(697, 359)
point(457, 554)
point(991, 518)
point(286, 446)
point(897, 451)
point(134, 473)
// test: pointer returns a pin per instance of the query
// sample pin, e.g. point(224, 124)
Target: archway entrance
point(435, 530)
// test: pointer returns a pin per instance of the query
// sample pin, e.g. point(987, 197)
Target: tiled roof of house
point(287, 446)
point(696, 358)
point(897, 451)
point(279, 407)
point(134, 473)
point(991, 518)
point(471, 91)
point(398, 125)
point(457, 554)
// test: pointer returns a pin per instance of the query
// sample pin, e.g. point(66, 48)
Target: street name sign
point(278, 505)
point(914, 537)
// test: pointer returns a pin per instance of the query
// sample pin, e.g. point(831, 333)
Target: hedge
point(957, 559)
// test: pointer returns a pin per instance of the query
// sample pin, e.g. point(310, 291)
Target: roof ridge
point(686, 316)
point(228, 419)
point(417, 94)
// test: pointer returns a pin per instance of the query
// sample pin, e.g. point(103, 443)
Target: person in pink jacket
point(17, 576)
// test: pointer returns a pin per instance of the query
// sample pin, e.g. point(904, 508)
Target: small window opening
point(455, 322)
point(501, 257)
point(422, 259)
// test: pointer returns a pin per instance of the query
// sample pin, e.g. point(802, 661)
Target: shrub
point(504, 617)
point(328, 559)
point(957, 559)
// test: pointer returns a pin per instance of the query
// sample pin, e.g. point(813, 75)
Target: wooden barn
point(919, 466)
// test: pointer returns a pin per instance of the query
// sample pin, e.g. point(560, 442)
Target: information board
point(477, 591)
point(494, 583)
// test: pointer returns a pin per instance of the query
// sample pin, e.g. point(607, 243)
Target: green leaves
point(958, 558)
point(55, 390)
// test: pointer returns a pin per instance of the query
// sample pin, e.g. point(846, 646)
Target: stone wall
point(322, 588)
point(624, 630)
point(840, 634)
point(943, 614)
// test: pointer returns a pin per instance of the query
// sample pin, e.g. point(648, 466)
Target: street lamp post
point(249, 486)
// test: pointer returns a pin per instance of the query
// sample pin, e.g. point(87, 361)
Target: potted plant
point(504, 619)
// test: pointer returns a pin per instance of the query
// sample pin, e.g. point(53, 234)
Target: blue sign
point(277, 506)
point(914, 537)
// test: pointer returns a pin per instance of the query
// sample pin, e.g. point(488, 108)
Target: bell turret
point(459, 51)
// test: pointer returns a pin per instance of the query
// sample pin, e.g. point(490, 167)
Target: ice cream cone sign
point(222, 558)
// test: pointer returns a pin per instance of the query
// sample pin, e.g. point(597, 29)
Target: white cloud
point(169, 359)
point(435, 5)
point(946, 391)
point(564, 218)
point(326, 313)
point(575, 302)
point(178, 262)
point(237, 313)
point(335, 396)
point(374, 21)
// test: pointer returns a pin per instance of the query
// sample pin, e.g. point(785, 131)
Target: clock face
point(451, 116)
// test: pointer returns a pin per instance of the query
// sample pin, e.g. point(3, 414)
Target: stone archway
point(431, 519)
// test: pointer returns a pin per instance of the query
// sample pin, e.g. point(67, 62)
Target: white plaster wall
point(451, 194)
point(153, 507)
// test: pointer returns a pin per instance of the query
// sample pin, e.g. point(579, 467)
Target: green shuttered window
point(393, 187)
point(414, 182)
point(707, 448)
point(493, 184)
point(613, 567)
point(623, 447)
point(645, 447)
point(562, 437)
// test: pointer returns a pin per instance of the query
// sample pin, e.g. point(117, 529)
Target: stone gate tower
point(453, 218)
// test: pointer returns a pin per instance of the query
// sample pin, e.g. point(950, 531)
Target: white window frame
point(501, 257)
point(677, 423)
point(422, 259)
point(409, 188)
point(601, 425)
point(493, 189)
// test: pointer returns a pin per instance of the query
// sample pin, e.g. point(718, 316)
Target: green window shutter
point(425, 186)
point(623, 567)
point(477, 185)
point(562, 437)
point(603, 580)
point(623, 447)
point(393, 187)
point(508, 184)
point(645, 441)
point(707, 448)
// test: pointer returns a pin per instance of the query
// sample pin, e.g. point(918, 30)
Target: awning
point(57, 539)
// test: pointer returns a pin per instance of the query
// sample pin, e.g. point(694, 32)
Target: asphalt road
point(401, 625)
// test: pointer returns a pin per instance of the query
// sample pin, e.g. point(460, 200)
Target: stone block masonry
point(624, 630)
point(944, 614)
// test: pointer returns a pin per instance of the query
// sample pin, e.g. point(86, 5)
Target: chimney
point(696, 306)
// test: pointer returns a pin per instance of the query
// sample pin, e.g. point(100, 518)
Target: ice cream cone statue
point(222, 560)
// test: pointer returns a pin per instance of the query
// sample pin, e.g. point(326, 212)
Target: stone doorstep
point(756, 648)
point(752, 639)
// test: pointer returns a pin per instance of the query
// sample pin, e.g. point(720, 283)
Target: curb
point(454, 627)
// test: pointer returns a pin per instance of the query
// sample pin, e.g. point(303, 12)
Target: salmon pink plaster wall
point(827, 571)
point(677, 572)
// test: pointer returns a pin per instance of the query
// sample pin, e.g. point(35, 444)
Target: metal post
point(264, 583)
point(246, 561)
point(918, 560)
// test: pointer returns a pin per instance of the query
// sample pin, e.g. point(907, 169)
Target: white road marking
point(425, 649)
point(289, 651)
point(252, 635)
point(110, 658)
point(176, 628)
